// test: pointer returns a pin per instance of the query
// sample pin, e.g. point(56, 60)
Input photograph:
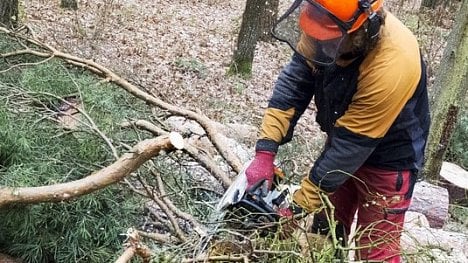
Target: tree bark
point(429, 3)
point(450, 91)
point(434, 3)
point(268, 19)
point(248, 36)
point(69, 4)
point(9, 13)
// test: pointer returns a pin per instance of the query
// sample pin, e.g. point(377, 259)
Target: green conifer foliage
point(36, 150)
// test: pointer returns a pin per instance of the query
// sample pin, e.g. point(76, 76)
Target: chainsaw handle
point(260, 188)
point(278, 176)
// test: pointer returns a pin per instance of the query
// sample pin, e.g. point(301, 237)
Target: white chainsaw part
point(235, 192)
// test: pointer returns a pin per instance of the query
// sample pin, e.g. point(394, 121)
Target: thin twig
point(150, 190)
point(92, 124)
point(204, 160)
point(27, 64)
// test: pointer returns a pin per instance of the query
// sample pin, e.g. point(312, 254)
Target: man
point(364, 70)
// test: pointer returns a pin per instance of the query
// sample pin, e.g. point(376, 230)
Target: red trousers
point(381, 199)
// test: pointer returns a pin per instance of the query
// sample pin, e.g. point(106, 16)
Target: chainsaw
point(255, 208)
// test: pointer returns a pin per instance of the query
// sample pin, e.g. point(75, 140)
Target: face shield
point(311, 24)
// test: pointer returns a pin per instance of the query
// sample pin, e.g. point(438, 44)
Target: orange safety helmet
point(347, 14)
point(326, 23)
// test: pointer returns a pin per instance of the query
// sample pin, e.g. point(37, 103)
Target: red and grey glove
point(261, 168)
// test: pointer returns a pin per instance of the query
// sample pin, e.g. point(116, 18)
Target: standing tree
point(429, 3)
point(69, 4)
point(249, 34)
point(450, 91)
point(9, 13)
point(268, 20)
point(434, 3)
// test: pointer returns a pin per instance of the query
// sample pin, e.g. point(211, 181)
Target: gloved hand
point(305, 200)
point(261, 168)
point(308, 196)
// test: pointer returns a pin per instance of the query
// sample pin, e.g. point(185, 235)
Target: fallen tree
point(139, 157)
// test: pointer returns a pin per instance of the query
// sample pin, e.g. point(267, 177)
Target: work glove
point(308, 196)
point(305, 200)
point(261, 168)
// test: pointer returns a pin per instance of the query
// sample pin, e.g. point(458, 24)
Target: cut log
point(416, 239)
point(421, 244)
point(431, 201)
point(455, 179)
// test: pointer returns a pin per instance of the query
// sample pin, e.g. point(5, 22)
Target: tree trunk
point(429, 3)
point(9, 13)
point(248, 37)
point(434, 3)
point(450, 91)
point(69, 4)
point(268, 20)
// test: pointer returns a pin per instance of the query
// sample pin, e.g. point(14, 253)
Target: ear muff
point(375, 21)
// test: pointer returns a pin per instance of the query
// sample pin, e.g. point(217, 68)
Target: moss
point(243, 68)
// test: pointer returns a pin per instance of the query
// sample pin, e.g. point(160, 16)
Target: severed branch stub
point(177, 140)
point(203, 159)
point(134, 247)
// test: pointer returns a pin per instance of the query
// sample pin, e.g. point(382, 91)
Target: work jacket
point(374, 110)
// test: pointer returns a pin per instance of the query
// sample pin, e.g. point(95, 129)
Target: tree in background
point(9, 13)
point(268, 20)
point(450, 91)
point(433, 3)
point(69, 4)
point(248, 36)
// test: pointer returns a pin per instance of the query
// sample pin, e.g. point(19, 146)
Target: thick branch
point(126, 164)
point(161, 238)
point(127, 255)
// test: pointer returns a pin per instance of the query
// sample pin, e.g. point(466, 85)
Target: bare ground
point(180, 50)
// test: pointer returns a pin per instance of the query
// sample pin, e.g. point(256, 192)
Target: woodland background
point(63, 118)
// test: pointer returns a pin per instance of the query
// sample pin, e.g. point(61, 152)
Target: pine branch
point(125, 165)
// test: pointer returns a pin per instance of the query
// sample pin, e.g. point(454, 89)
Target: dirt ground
point(178, 50)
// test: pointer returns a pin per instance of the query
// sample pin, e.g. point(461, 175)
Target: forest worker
point(364, 70)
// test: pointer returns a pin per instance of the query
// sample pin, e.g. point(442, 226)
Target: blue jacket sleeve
point(292, 94)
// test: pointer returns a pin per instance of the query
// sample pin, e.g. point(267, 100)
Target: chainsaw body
point(256, 208)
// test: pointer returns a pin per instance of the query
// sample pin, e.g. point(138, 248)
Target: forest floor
point(179, 50)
